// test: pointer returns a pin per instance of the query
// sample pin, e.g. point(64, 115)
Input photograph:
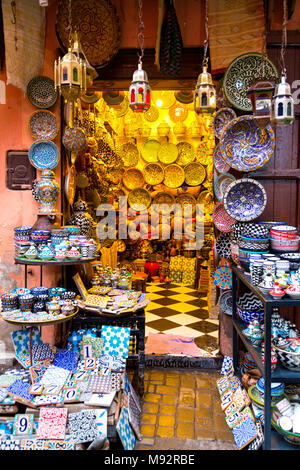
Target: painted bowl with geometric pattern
point(290, 360)
point(248, 316)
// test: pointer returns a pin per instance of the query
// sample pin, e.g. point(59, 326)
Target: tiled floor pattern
point(181, 310)
point(181, 410)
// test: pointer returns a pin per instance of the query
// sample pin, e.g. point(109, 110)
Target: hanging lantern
point(260, 94)
point(205, 93)
point(139, 91)
point(282, 110)
point(91, 73)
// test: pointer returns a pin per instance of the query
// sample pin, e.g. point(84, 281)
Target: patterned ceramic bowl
point(40, 235)
point(248, 316)
point(39, 290)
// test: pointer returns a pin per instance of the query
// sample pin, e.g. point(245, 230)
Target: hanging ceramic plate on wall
point(245, 146)
point(225, 302)
point(98, 27)
point(221, 219)
point(245, 199)
point(74, 139)
point(41, 92)
point(44, 155)
point(240, 75)
point(222, 117)
point(43, 125)
point(220, 164)
point(221, 183)
point(222, 277)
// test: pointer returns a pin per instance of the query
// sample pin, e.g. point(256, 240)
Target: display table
point(280, 374)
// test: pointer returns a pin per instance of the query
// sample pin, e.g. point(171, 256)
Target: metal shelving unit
point(272, 439)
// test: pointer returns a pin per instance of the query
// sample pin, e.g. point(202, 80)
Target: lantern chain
point(205, 59)
point(69, 27)
point(284, 38)
point(141, 29)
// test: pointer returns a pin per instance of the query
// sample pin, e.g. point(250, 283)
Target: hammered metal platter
point(186, 200)
point(241, 73)
point(43, 125)
point(167, 153)
point(129, 154)
point(133, 179)
point(139, 199)
point(195, 174)
point(174, 176)
point(153, 173)
point(186, 153)
point(163, 198)
point(149, 151)
point(41, 92)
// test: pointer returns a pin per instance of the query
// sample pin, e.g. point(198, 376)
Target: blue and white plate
point(44, 155)
point(221, 184)
point(245, 146)
point(245, 199)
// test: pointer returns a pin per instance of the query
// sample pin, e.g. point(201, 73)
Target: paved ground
point(181, 410)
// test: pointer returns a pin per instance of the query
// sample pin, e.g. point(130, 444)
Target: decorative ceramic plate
point(153, 173)
point(152, 114)
point(220, 164)
point(178, 112)
point(41, 93)
point(225, 302)
point(130, 154)
point(245, 199)
point(74, 139)
point(44, 155)
point(245, 146)
point(186, 153)
point(98, 26)
point(43, 125)
point(138, 199)
point(222, 117)
point(203, 153)
point(241, 73)
point(186, 200)
point(149, 151)
point(163, 198)
point(194, 174)
point(221, 184)
point(167, 153)
point(174, 176)
point(221, 219)
point(133, 178)
point(222, 277)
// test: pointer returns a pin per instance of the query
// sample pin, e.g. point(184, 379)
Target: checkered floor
point(183, 311)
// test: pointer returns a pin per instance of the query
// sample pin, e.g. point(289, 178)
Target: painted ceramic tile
point(134, 417)
point(246, 413)
point(223, 388)
point(99, 384)
point(90, 363)
point(117, 381)
point(6, 428)
point(233, 419)
point(23, 425)
point(52, 423)
point(115, 363)
point(55, 375)
point(81, 376)
point(96, 301)
point(37, 370)
point(82, 426)
point(101, 422)
point(125, 431)
point(124, 399)
point(238, 399)
point(81, 365)
point(230, 409)
point(17, 373)
point(134, 396)
point(227, 365)
point(51, 389)
point(244, 433)
point(3, 393)
point(71, 395)
point(116, 340)
point(226, 400)
point(66, 359)
point(19, 391)
point(36, 389)
point(105, 371)
point(24, 360)
point(21, 340)
point(87, 352)
point(8, 401)
point(102, 399)
point(40, 352)
point(97, 344)
point(259, 440)
point(234, 383)
point(61, 445)
point(34, 444)
point(41, 400)
point(10, 444)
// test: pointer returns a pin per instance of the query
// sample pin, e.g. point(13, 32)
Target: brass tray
point(149, 151)
point(195, 174)
point(174, 176)
point(153, 173)
point(205, 198)
point(167, 153)
point(133, 178)
point(152, 114)
point(138, 199)
point(129, 154)
point(178, 112)
point(186, 199)
point(163, 198)
point(186, 153)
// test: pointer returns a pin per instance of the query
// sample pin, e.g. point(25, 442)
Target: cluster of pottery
point(284, 238)
point(54, 300)
point(250, 308)
point(286, 421)
point(117, 278)
point(288, 352)
point(57, 244)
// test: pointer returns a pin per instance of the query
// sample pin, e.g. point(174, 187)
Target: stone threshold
point(180, 362)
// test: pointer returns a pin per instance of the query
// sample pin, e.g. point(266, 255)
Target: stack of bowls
point(284, 238)
point(57, 236)
point(253, 239)
point(40, 235)
point(72, 229)
point(26, 302)
point(9, 301)
point(22, 234)
point(250, 308)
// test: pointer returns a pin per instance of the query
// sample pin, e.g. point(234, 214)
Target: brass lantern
point(139, 91)
point(205, 93)
point(70, 75)
point(282, 109)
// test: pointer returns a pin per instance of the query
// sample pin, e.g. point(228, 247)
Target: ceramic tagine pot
point(32, 252)
point(73, 253)
point(276, 292)
point(283, 281)
point(67, 307)
point(46, 192)
point(293, 290)
point(60, 254)
point(53, 307)
point(257, 334)
point(82, 218)
point(267, 283)
point(46, 254)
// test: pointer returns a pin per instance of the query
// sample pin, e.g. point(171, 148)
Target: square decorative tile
point(100, 399)
point(60, 445)
point(21, 340)
point(116, 340)
point(19, 391)
point(37, 370)
point(41, 400)
point(125, 431)
point(55, 376)
point(83, 426)
point(23, 425)
point(96, 343)
point(66, 359)
point(40, 352)
point(52, 423)
point(71, 395)
point(101, 422)
point(244, 433)
point(134, 414)
point(34, 444)
point(10, 444)
point(99, 384)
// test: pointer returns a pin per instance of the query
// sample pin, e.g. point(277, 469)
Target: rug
point(160, 343)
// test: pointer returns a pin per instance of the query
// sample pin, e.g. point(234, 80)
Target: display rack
point(272, 440)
